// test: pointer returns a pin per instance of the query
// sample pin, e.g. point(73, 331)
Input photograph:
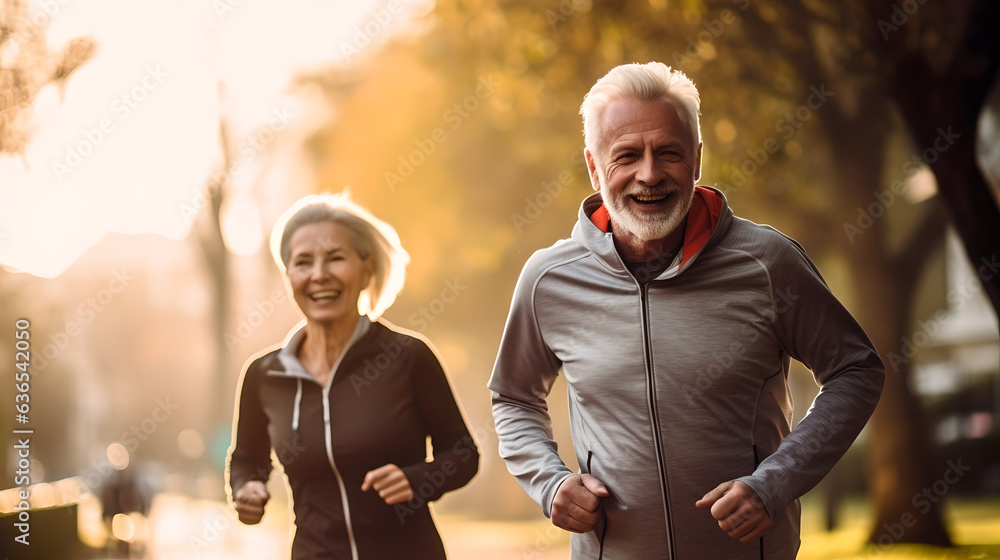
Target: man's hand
point(577, 505)
point(739, 509)
point(249, 501)
point(390, 482)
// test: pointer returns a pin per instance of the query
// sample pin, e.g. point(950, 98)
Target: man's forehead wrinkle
point(621, 126)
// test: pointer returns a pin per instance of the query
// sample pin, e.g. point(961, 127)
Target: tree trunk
point(217, 264)
point(899, 453)
point(941, 108)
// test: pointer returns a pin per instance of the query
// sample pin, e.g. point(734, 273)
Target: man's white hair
point(653, 81)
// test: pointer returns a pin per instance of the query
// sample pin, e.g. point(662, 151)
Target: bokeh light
point(122, 527)
point(118, 456)
point(190, 444)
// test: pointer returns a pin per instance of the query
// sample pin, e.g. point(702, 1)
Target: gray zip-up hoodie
point(680, 384)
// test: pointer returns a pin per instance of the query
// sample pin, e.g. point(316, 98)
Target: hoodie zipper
point(329, 445)
point(336, 473)
point(647, 349)
point(604, 528)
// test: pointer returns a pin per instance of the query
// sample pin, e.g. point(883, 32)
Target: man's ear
point(697, 163)
point(595, 181)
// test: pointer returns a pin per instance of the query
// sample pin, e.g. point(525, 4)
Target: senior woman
point(348, 401)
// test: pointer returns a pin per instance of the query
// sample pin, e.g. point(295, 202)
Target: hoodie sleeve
point(250, 452)
point(456, 455)
point(523, 375)
point(813, 327)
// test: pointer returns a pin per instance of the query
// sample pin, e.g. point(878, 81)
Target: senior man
point(673, 322)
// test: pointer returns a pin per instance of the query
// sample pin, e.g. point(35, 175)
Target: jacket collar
point(708, 219)
point(290, 366)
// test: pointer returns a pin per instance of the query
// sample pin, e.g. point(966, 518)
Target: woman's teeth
point(325, 295)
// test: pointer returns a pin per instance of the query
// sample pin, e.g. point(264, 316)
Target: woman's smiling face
point(326, 273)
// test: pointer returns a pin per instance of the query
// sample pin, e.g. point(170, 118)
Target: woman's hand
point(249, 501)
point(390, 483)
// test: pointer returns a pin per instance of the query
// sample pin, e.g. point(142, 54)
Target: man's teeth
point(649, 198)
point(325, 295)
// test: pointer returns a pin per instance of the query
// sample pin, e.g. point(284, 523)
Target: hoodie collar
point(290, 361)
point(708, 218)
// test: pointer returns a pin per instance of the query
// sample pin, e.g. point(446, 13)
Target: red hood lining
point(706, 208)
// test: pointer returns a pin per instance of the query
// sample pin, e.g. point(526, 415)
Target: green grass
point(974, 526)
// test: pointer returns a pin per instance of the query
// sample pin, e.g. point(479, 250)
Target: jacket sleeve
point(456, 455)
point(813, 327)
point(250, 452)
point(523, 375)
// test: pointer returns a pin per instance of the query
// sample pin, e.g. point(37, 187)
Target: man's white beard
point(647, 228)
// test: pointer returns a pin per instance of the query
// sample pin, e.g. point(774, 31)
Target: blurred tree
point(478, 161)
point(27, 66)
point(952, 57)
point(207, 229)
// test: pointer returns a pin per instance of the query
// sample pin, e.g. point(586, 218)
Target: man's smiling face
point(645, 165)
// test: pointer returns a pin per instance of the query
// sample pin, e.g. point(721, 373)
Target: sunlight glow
point(241, 229)
point(136, 132)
